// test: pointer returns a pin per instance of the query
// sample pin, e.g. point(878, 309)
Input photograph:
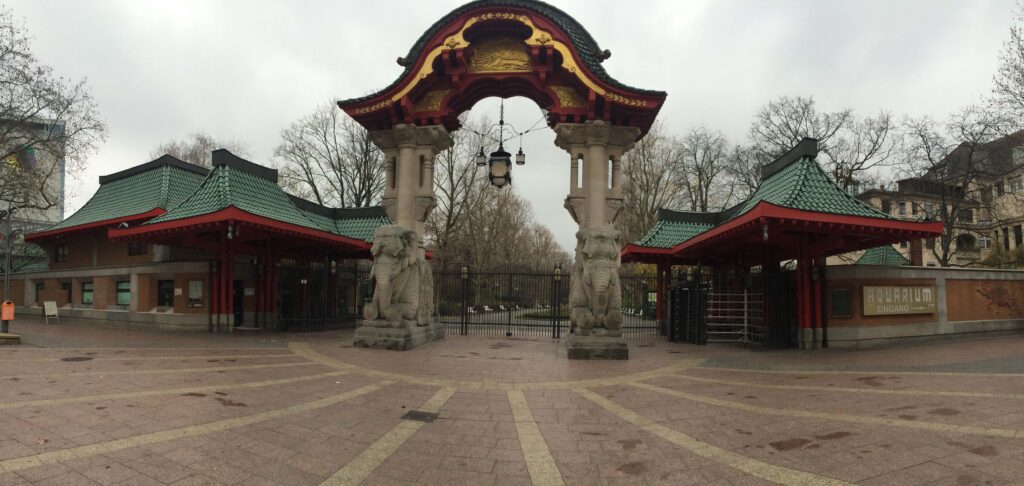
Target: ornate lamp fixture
point(500, 162)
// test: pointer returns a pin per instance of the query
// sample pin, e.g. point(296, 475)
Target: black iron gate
point(688, 304)
point(316, 296)
point(780, 309)
point(530, 302)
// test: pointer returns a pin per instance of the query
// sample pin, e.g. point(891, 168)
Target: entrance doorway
point(239, 301)
point(165, 293)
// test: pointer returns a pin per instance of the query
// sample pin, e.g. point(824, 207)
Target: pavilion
point(797, 213)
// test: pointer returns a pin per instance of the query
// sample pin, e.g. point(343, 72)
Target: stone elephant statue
point(403, 281)
point(595, 300)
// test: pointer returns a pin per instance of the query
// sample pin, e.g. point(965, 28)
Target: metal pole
point(8, 236)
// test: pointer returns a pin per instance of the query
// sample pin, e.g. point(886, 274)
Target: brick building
point(174, 245)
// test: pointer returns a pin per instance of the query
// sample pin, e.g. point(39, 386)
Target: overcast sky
point(246, 69)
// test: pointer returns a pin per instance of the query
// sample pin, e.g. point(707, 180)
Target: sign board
point(195, 293)
point(50, 311)
point(249, 291)
point(898, 300)
point(7, 311)
point(177, 292)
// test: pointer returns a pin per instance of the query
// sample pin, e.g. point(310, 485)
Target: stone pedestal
point(596, 347)
point(398, 339)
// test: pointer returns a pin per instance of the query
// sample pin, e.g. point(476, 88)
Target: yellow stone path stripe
point(167, 391)
point(20, 463)
point(753, 467)
point(150, 358)
point(159, 371)
point(863, 372)
point(859, 419)
point(360, 468)
point(305, 351)
point(880, 391)
point(540, 463)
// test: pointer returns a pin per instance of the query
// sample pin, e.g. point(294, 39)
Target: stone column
point(595, 296)
point(409, 190)
point(401, 314)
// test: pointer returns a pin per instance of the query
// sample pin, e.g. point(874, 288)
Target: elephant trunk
point(600, 276)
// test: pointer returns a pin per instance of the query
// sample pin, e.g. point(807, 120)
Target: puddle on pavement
point(833, 436)
point(789, 444)
point(193, 394)
point(74, 359)
point(229, 403)
point(944, 411)
point(633, 468)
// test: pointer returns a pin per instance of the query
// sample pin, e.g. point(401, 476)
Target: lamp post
point(8, 248)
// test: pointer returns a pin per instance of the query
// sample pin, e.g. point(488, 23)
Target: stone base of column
point(806, 337)
point(398, 339)
point(817, 338)
point(596, 347)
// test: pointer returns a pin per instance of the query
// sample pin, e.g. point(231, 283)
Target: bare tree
point(703, 156)
point(851, 146)
point(743, 171)
point(332, 158)
point(951, 157)
point(48, 124)
point(1009, 79)
point(197, 148)
point(459, 187)
point(651, 181)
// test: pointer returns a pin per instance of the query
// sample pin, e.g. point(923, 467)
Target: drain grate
point(419, 416)
point(77, 358)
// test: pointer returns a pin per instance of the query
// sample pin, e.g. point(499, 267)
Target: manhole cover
point(77, 358)
point(420, 416)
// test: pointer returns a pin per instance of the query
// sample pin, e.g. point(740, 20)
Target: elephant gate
point(502, 49)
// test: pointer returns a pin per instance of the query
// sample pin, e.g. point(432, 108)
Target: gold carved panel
point(568, 97)
point(432, 100)
point(499, 55)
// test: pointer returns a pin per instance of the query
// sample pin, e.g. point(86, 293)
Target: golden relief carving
point(499, 55)
point(625, 101)
point(432, 100)
point(372, 108)
point(568, 97)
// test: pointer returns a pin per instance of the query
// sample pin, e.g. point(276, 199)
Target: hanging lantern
point(500, 167)
point(520, 157)
point(481, 159)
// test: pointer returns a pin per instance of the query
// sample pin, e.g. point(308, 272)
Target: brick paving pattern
point(87, 403)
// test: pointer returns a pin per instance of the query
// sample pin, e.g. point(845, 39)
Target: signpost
point(898, 300)
point(50, 311)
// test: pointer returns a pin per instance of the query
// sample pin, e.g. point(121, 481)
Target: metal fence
point(533, 303)
point(314, 297)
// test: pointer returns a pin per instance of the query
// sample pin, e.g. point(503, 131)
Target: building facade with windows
point(989, 222)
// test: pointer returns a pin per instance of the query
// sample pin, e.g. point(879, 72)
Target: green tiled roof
point(162, 183)
point(795, 181)
point(238, 183)
point(667, 233)
point(589, 52)
point(884, 256)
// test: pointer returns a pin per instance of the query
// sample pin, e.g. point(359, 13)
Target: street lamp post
point(8, 248)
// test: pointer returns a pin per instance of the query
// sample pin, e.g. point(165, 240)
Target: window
point(904, 244)
point(886, 206)
point(60, 253)
point(929, 210)
point(165, 293)
point(965, 216)
point(87, 293)
point(902, 208)
point(842, 303)
point(986, 195)
point(984, 242)
point(1018, 236)
point(1000, 188)
point(1016, 185)
point(39, 292)
point(136, 248)
point(929, 243)
point(966, 243)
point(124, 293)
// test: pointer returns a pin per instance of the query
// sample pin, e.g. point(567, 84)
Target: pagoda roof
point(884, 255)
point(794, 187)
point(138, 193)
point(590, 53)
point(240, 190)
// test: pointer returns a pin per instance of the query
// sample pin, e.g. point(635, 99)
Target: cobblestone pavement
point(86, 403)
